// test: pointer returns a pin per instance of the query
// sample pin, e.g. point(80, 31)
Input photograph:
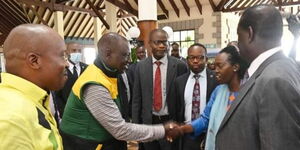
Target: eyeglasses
point(191, 58)
point(158, 42)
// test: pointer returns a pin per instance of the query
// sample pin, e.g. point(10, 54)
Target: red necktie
point(157, 104)
point(196, 98)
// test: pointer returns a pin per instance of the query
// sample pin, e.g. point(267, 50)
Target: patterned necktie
point(196, 98)
point(75, 74)
point(157, 104)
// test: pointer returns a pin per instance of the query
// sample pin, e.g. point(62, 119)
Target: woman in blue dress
point(230, 71)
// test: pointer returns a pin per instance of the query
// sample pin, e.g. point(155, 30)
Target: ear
point(33, 60)
point(250, 34)
point(236, 67)
point(108, 53)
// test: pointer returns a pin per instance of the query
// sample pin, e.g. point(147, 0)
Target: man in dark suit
point(199, 79)
point(154, 93)
point(265, 115)
point(76, 67)
point(175, 52)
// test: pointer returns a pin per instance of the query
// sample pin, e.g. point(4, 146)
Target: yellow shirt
point(25, 119)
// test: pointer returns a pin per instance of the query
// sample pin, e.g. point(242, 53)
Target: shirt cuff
point(159, 131)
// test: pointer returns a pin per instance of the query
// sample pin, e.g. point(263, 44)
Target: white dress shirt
point(260, 59)
point(71, 65)
point(163, 71)
point(188, 94)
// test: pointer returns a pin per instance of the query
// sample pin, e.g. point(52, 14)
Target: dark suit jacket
point(266, 113)
point(180, 84)
point(60, 97)
point(143, 89)
point(122, 91)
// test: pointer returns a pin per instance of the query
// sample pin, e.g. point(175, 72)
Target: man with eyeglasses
point(193, 91)
point(154, 94)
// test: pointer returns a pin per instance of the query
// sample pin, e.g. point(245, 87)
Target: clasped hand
point(172, 131)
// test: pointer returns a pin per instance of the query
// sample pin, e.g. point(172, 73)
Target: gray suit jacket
point(143, 89)
point(266, 113)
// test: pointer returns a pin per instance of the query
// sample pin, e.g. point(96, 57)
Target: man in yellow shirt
point(35, 64)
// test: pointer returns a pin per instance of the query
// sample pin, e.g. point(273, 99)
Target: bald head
point(31, 50)
point(265, 20)
point(113, 50)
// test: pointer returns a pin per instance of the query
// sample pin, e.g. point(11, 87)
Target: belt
point(160, 119)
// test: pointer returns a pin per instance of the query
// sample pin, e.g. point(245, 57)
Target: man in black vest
point(76, 67)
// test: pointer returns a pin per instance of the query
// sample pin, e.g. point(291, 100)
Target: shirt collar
point(162, 60)
point(260, 59)
point(28, 88)
point(202, 74)
point(71, 65)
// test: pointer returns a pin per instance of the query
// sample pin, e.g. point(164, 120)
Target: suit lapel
point(170, 72)
point(245, 88)
point(147, 71)
point(209, 79)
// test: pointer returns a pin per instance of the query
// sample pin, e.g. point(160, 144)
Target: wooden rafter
point(123, 6)
point(85, 24)
point(221, 4)
point(14, 6)
point(98, 14)
point(17, 18)
point(162, 6)
point(70, 23)
point(213, 5)
point(174, 7)
point(199, 6)
point(80, 19)
point(11, 20)
point(186, 7)
point(243, 8)
point(58, 7)
point(37, 15)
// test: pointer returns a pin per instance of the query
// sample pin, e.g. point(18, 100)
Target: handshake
point(174, 130)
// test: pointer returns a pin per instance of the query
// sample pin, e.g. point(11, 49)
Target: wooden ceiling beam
point(162, 6)
point(221, 4)
point(37, 15)
point(98, 14)
point(186, 7)
point(130, 21)
point(123, 6)
point(125, 21)
point(174, 7)
point(8, 18)
point(59, 7)
point(86, 23)
point(6, 27)
point(243, 8)
point(68, 20)
point(137, 2)
point(10, 13)
point(19, 12)
point(199, 6)
point(89, 29)
point(213, 5)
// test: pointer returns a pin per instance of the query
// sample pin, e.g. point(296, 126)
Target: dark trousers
point(161, 144)
point(193, 144)
point(71, 142)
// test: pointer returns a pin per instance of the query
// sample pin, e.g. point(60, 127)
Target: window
point(185, 38)
point(89, 55)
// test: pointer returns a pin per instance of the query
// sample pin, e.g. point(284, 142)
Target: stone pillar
point(59, 23)
point(97, 32)
point(147, 21)
point(111, 16)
